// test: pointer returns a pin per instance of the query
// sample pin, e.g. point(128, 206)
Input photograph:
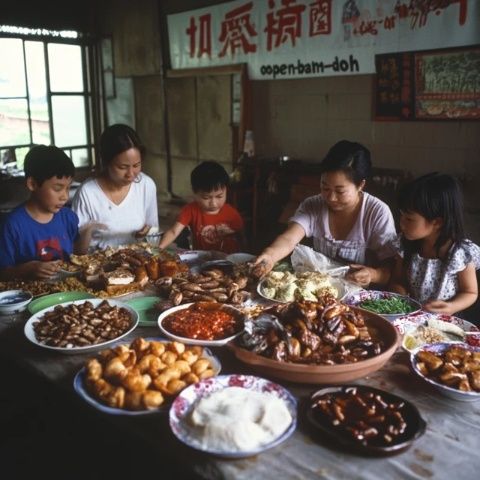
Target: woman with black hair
point(435, 263)
point(345, 222)
point(122, 201)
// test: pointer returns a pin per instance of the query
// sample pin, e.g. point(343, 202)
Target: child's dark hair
point(209, 176)
point(117, 139)
point(351, 158)
point(42, 163)
point(435, 195)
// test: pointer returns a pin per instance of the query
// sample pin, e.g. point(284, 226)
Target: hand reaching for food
point(261, 266)
point(143, 231)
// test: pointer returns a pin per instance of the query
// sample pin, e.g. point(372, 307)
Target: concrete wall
point(303, 118)
point(300, 118)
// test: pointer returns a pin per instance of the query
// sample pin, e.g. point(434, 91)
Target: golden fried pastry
point(140, 376)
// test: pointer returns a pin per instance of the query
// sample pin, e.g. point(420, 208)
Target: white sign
point(311, 38)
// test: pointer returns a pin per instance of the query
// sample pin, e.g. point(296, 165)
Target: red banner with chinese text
point(297, 38)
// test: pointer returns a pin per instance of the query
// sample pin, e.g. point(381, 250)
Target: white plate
point(183, 404)
point(240, 257)
point(337, 283)
point(79, 386)
point(30, 333)
point(192, 341)
point(408, 323)
point(197, 257)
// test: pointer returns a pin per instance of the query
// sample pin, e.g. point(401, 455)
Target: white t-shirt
point(137, 209)
point(369, 239)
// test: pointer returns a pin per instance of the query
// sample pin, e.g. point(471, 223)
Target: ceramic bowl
point(355, 299)
point(328, 374)
point(186, 400)
point(192, 341)
point(450, 392)
point(14, 301)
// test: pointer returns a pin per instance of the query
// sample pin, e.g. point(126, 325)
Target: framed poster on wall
point(447, 84)
point(394, 87)
point(433, 85)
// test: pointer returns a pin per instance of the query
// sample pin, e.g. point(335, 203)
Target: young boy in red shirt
point(215, 224)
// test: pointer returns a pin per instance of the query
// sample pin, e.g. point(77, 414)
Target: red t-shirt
point(213, 232)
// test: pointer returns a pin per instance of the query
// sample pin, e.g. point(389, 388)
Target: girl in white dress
point(435, 263)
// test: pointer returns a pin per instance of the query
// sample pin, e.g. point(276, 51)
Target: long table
point(448, 449)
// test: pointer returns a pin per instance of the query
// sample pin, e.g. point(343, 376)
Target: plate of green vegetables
point(387, 304)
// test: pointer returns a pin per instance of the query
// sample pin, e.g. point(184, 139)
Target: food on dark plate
point(142, 375)
point(324, 333)
point(365, 416)
point(202, 321)
point(79, 325)
point(455, 367)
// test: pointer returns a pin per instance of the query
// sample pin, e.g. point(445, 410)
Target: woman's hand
point(262, 265)
point(360, 274)
point(439, 306)
point(143, 231)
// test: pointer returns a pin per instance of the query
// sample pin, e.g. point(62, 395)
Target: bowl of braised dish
point(452, 368)
point(316, 342)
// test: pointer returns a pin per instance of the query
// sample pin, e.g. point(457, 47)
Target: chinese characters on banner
point(305, 38)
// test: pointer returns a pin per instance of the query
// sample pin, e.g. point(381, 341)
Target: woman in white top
point(346, 223)
point(121, 203)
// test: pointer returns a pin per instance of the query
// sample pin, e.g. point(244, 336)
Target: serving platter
point(415, 424)
point(407, 323)
point(46, 301)
point(337, 283)
point(186, 400)
point(327, 374)
point(79, 385)
point(31, 336)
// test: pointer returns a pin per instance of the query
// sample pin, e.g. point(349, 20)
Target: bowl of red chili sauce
point(202, 323)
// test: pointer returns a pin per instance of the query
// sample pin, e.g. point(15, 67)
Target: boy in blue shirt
point(37, 235)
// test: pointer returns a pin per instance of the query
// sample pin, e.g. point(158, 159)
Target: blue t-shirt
point(23, 239)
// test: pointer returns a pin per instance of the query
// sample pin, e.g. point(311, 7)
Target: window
point(45, 95)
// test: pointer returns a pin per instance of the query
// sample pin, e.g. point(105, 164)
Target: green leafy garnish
point(390, 306)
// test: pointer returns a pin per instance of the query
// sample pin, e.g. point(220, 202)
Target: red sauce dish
point(206, 323)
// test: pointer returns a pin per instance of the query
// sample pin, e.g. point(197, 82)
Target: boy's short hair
point(209, 176)
point(42, 163)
